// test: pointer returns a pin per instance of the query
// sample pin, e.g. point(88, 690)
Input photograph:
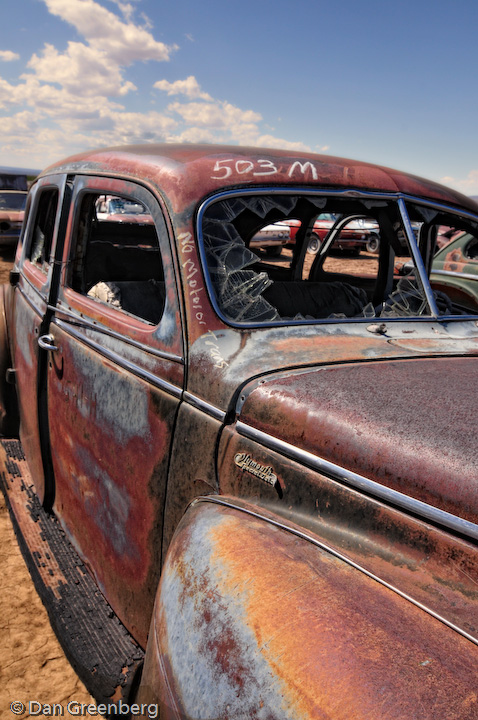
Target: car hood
point(409, 425)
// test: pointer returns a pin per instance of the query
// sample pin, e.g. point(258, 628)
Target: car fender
point(255, 619)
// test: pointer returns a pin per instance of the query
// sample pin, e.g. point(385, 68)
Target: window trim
point(401, 201)
point(76, 307)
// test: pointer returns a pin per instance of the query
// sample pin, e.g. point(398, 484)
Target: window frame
point(163, 338)
point(399, 199)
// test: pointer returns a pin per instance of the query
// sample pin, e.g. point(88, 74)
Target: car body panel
point(287, 504)
point(341, 414)
point(291, 630)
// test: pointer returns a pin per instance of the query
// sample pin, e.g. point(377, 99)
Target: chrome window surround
point(400, 198)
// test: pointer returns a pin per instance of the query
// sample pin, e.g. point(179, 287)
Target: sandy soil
point(33, 666)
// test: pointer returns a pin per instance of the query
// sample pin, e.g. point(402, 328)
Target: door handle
point(46, 342)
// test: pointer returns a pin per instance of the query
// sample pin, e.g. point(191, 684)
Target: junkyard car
point(259, 477)
point(455, 271)
point(351, 234)
point(12, 210)
point(270, 238)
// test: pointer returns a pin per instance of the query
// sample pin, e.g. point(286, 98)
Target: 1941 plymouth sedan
point(246, 487)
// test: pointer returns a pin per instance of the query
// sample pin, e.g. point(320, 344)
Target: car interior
point(252, 287)
point(118, 261)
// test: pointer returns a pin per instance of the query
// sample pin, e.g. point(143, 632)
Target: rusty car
point(350, 235)
point(12, 210)
point(245, 488)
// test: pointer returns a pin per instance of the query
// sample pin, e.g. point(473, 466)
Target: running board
point(98, 646)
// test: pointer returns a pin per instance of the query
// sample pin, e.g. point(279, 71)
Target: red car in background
point(355, 234)
point(12, 211)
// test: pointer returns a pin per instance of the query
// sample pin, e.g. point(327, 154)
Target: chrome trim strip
point(200, 404)
point(361, 483)
point(457, 275)
point(81, 321)
point(340, 556)
point(417, 257)
point(122, 362)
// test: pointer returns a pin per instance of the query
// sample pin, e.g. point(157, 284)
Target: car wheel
point(314, 244)
point(274, 250)
point(373, 244)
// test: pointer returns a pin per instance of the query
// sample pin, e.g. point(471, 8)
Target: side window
point(116, 256)
point(339, 258)
point(42, 234)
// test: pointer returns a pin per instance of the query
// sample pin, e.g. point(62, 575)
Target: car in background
point(455, 271)
point(12, 211)
point(115, 209)
point(352, 236)
point(271, 238)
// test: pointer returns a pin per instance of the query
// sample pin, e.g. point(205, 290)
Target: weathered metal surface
point(387, 421)
point(99, 647)
point(25, 331)
point(185, 173)
point(111, 433)
point(428, 564)
point(8, 399)
point(252, 619)
point(232, 356)
point(263, 624)
point(192, 469)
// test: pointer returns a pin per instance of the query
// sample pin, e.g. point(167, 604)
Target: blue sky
point(391, 83)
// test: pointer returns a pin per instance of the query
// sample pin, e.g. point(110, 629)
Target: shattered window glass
point(43, 229)
point(280, 258)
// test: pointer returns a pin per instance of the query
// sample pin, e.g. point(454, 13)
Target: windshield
point(344, 258)
point(12, 200)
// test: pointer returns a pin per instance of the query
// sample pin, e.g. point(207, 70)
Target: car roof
point(186, 173)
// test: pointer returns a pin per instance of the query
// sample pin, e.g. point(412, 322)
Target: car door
point(115, 380)
point(34, 292)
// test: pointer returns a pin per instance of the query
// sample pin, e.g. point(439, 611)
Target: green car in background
point(455, 271)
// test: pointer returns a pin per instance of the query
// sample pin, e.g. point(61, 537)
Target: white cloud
point(274, 142)
point(468, 185)
point(81, 70)
point(214, 115)
point(74, 98)
point(8, 56)
point(123, 42)
point(189, 87)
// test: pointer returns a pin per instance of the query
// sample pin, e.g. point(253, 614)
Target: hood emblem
point(263, 472)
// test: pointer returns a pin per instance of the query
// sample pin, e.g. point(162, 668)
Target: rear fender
point(254, 620)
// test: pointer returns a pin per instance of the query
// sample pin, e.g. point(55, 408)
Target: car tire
point(373, 244)
point(314, 244)
point(274, 250)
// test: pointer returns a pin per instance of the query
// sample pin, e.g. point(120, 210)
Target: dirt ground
point(33, 666)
